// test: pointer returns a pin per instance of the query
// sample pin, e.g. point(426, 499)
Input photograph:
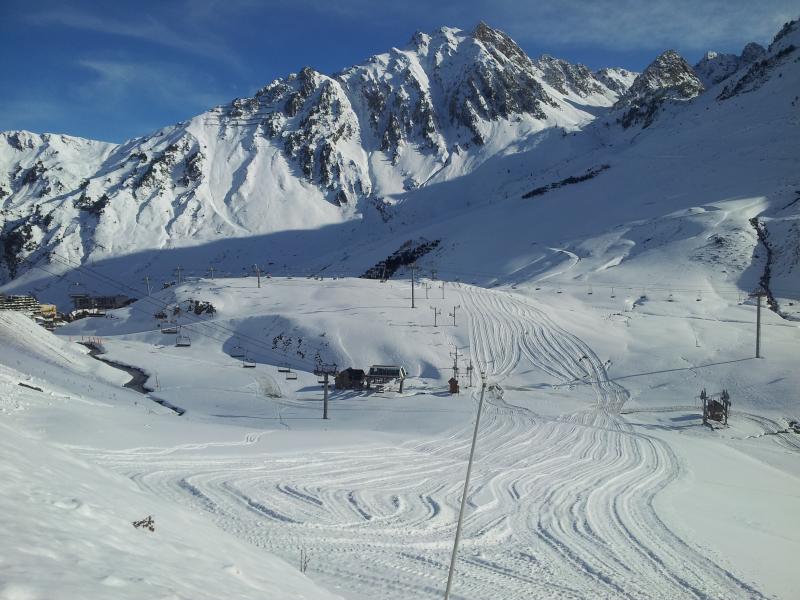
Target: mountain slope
point(574, 196)
point(305, 151)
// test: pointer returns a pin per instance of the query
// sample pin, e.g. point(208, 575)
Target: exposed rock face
point(715, 67)
point(784, 48)
point(304, 151)
point(566, 77)
point(668, 78)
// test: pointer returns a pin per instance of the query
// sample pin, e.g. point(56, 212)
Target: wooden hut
point(350, 379)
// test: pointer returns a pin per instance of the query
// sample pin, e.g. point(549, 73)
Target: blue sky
point(116, 70)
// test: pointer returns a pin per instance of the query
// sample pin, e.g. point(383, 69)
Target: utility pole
point(147, 281)
point(427, 287)
point(455, 362)
point(413, 270)
point(211, 270)
point(466, 491)
point(442, 286)
point(324, 371)
point(436, 313)
point(258, 274)
point(179, 269)
point(469, 371)
point(759, 294)
point(453, 314)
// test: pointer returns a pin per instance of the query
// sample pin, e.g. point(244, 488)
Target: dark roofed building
point(350, 379)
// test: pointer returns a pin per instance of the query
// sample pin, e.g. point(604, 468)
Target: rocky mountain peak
point(500, 45)
point(668, 78)
point(669, 73)
point(752, 52)
point(715, 67)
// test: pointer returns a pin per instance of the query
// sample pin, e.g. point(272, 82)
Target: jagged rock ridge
point(668, 78)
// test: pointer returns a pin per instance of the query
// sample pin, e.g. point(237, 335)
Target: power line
point(213, 325)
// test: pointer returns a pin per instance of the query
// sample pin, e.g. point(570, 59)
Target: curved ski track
point(558, 508)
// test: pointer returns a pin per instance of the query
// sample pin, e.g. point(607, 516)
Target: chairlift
point(172, 328)
point(237, 351)
point(670, 298)
point(284, 369)
point(699, 297)
point(291, 375)
point(183, 340)
point(589, 292)
point(248, 363)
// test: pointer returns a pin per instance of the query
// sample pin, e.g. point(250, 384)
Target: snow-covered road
point(559, 507)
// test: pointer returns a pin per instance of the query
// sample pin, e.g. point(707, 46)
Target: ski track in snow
point(558, 508)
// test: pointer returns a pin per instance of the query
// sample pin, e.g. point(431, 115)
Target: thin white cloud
point(165, 84)
point(636, 25)
point(608, 24)
point(148, 28)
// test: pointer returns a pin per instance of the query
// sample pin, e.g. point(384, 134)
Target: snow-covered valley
point(594, 473)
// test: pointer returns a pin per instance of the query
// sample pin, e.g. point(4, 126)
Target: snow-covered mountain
point(715, 67)
point(304, 151)
point(433, 141)
point(668, 78)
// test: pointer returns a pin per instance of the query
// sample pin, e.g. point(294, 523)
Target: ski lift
point(237, 351)
point(612, 293)
point(699, 297)
point(171, 328)
point(248, 363)
point(284, 369)
point(589, 291)
point(183, 340)
point(670, 298)
point(291, 376)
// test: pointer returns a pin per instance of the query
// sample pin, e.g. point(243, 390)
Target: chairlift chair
point(291, 375)
point(183, 341)
point(237, 351)
point(284, 369)
point(248, 363)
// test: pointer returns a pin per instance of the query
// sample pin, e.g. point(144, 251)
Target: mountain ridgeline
point(312, 150)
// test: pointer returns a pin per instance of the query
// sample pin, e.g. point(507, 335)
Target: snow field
point(563, 504)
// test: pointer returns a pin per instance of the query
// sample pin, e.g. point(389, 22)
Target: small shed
point(350, 379)
point(453, 385)
point(383, 374)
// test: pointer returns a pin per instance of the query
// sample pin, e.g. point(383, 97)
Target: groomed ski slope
point(562, 505)
point(66, 523)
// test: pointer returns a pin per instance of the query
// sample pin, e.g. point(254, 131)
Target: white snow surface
point(594, 476)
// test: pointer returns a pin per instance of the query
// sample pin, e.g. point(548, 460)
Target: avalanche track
point(559, 508)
